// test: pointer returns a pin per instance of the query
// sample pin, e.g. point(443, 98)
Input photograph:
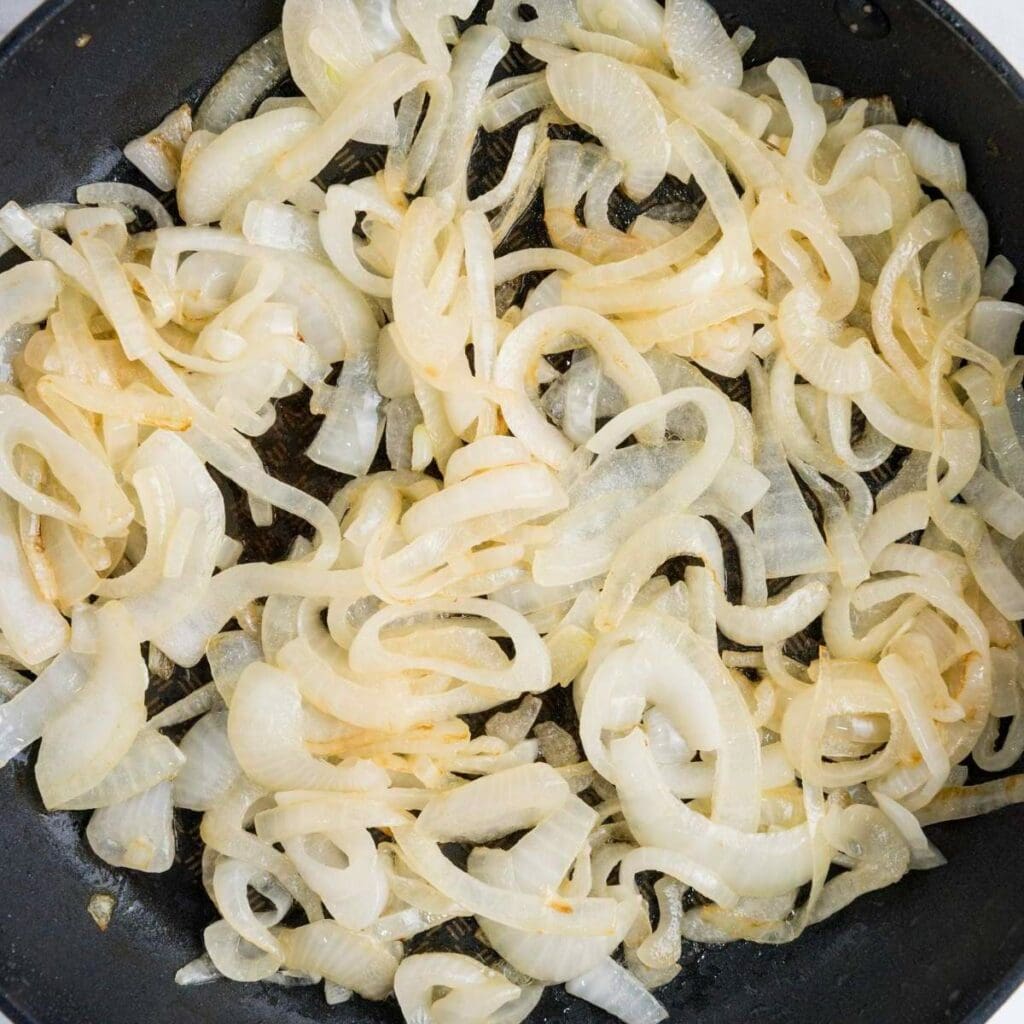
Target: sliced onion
point(611, 102)
point(252, 75)
point(549, 24)
point(702, 52)
point(474, 993)
point(138, 833)
point(354, 961)
point(152, 759)
point(97, 727)
point(616, 991)
point(210, 767)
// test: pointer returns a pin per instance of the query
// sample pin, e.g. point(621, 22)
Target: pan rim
point(25, 30)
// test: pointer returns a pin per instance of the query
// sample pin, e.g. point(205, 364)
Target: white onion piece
point(783, 524)
point(529, 670)
point(671, 668)
point(961, 801)
point(996, 580)
point(138, 833)
point(115, 193)
point(615, 990)
point(200, 971)
point(637, 21)
point(329, 950)
point(755, 864)
point(210, 767)
point(552, 915)
point(543, 857)
point(152, 759)
point(997, 425)
point(25, 715)
point(228, 655)
point(549, 24)
point(524, 347)
point(648, 548)
point(702, 52)
point(22, 228)
point(776, 621)
point(373, 708)
point(998, 278)
point(231, 882)
point(35, 628)
point(329, 43)
point(90, 734)
point(610, 101)
point(192, 705)
point(265, 729)
point(234, 958)
point(253, 74)
point(28, 292)
point(326, 47)
point(474, 59)
point(474, 994)
point(556, 958)
point(924, 854)
point(1001, 507)
point(231, 591)
point(352, 428)
point(994, 325)
point(355, 894)
point(158, 153)
point(102, 509)
point(448, 814)
point(303, 813)
point(937, 161)
point(236, 159)
point(280, 226)
point(822, 362)
point(372, 94)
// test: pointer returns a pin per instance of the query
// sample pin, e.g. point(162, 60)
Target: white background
point(1001, 20)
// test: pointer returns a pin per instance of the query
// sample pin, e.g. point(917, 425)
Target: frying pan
point(944, 945)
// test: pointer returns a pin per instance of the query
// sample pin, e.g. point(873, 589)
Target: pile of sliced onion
point(555, 452)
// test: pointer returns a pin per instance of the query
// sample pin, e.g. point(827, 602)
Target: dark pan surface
point(947, 945)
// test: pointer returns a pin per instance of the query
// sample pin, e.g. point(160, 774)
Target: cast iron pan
point(77, 81)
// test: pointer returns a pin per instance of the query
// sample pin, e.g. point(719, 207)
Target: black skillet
point(80, 78)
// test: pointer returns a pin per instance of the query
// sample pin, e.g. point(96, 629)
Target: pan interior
point(934, 947)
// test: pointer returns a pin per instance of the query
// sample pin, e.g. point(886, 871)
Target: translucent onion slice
point(36, 629)
point(702, 52)
point(98, 726)
point(228, 166)
point(25, 715)
point(100, 509)
point(618, 992)
point(158, 153)
point(608, 99)
point(523, 348)
point(817, 357)
point(152, 759)
point(138, 833)
point(638, 21)
point(783, 525)
point(253, 74)
point(529, 670)
point(265, 727)
point(355, 961)
point(551, 17)
point(345, 870)
point(210, 768)
point(754, 864)
point(474, 994)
